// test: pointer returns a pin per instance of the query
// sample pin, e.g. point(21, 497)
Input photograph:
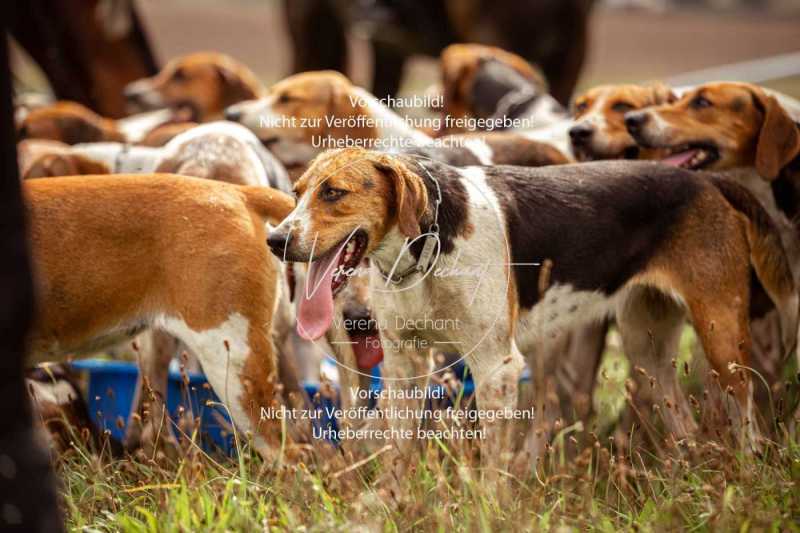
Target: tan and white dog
point(599, 131)
point(222, 151)
point(508, 267)
point(202, 83)
point(750, 135)
point(114, 255)
point(307, 113)
point(73, 123)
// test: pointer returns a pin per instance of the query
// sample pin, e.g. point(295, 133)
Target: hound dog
point(750, 136)
point(221, 151)
point(524, 252)
point(114, 255)
point(304, 114)
point(73, 123)
point(202, 83)
point(488, 82)
point(599, 131)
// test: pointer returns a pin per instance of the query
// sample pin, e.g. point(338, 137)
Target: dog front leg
point(401, 368)
point(496, 389)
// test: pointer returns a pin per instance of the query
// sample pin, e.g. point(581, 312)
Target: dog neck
point(444, 220)
point(393, 257)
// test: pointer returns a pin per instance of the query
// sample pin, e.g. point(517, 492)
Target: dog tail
point(767, 256)
point(268, 203)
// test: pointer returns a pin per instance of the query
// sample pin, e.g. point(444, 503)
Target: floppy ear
point(454, 71)
point(662, 94)
point(234, 89)
point(411, 196)
point(778, 140)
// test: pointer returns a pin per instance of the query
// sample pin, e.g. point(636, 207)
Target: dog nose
point(232, 114)
point(277, 242)
point(581, 133)
point(635, 121)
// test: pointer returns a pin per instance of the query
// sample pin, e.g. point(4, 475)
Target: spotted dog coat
point(556, 245)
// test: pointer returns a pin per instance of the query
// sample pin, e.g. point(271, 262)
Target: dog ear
point(234, 88)
point(455, 71)
point(779, 138)
point(411, 196)
point(662, 94)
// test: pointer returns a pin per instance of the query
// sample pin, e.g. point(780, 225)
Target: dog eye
point(179, 74)
point(580, 107)
point(700, 102)
point(622, 107)
point(284, 98)
point(330, 194)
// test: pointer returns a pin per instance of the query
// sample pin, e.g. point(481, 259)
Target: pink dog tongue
point(316, 298)
point(679, 159)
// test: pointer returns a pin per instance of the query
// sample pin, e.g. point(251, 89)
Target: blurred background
point(626, 40)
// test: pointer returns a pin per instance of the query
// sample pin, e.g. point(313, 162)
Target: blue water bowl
point(460, 369)
point(112, 385)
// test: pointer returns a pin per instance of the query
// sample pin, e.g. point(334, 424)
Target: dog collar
point(513, 104)
point(118, 158)
point(431, 242)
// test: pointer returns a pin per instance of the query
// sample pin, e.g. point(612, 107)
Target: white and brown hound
point(522, 253)
point(73, 123)
point(202, 83)
point(222, 151)
point(751, 136)
point(114, 255)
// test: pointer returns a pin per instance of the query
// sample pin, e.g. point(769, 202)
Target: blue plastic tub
point(112, 385)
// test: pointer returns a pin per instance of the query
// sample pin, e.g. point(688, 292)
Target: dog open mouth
point(326, 277)
point(364, 336)
point(693, 156)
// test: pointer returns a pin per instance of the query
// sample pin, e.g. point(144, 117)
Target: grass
point(585, 482)
point(711, 489)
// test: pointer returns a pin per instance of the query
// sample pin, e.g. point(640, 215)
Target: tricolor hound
point(508, 255)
